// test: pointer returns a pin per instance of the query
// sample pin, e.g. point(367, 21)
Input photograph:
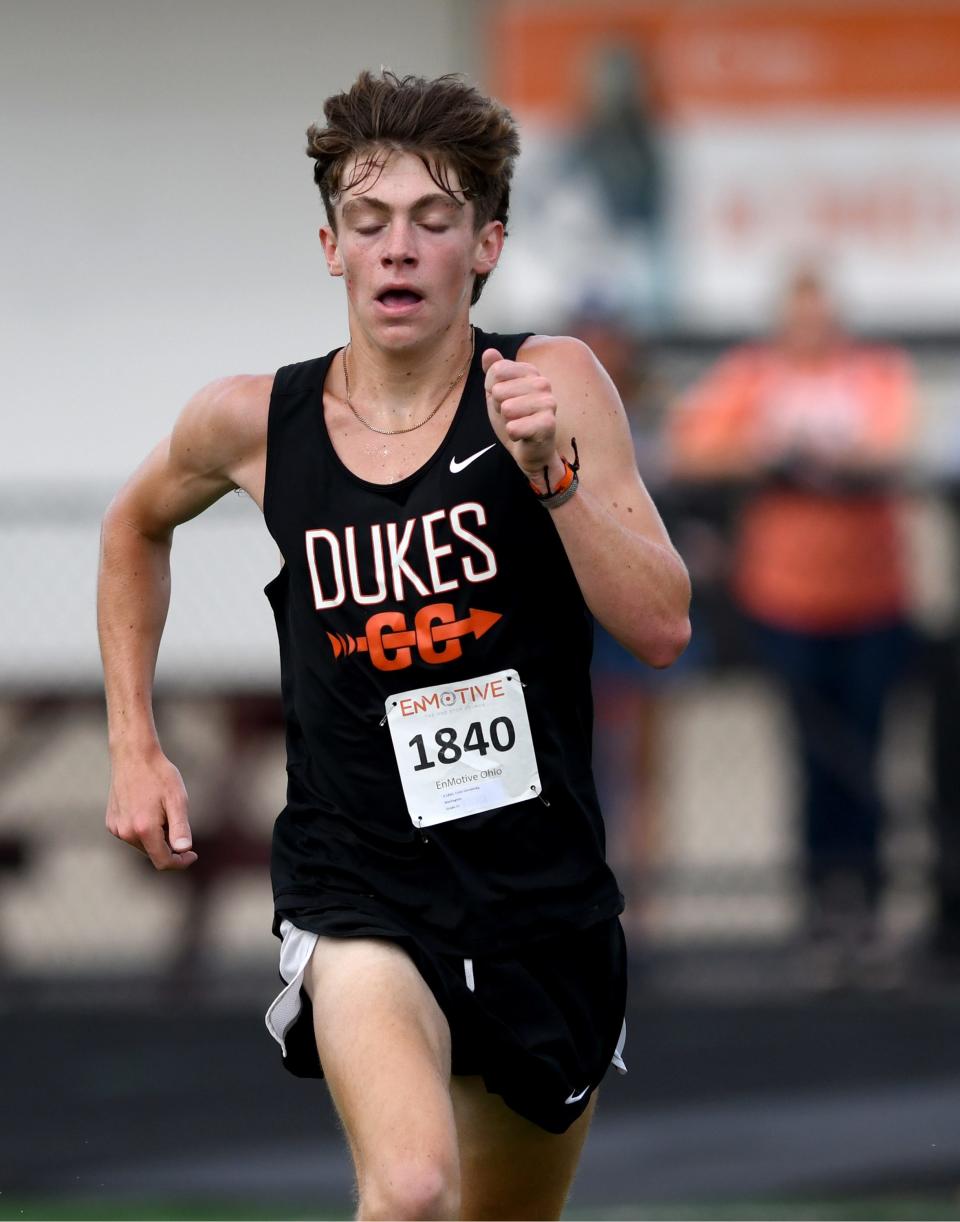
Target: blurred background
point(751, 211)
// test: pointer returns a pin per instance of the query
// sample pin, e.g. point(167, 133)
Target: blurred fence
point(712, 857)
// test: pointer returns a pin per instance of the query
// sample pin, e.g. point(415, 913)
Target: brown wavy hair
point(449, 125)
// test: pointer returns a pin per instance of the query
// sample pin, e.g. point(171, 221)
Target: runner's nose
point(398, 250)
point(398, 259)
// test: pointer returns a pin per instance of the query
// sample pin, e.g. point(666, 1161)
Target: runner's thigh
point(384, 1045)
point(509, 1166)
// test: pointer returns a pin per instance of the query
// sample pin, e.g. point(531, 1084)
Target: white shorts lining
point(617, 1059)
point(295, 951)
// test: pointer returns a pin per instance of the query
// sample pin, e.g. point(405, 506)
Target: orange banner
point(710, 57)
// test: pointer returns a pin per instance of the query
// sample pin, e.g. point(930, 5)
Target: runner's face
point(407, 252)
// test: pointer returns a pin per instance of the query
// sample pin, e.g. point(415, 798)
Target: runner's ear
point(331, 249)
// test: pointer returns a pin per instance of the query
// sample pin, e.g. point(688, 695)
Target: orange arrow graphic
point(477, 622)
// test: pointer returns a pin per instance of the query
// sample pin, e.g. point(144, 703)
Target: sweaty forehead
point(395, 177)
point(436, 201)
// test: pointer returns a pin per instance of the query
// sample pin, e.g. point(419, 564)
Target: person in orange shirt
point(817, 426)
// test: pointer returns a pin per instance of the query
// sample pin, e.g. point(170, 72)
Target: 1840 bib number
point(463, 748)
point(503, 736)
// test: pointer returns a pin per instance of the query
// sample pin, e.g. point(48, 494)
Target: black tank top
point(460, 543)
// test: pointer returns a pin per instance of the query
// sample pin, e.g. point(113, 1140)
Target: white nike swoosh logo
point(572, 1098)
point(457, 467)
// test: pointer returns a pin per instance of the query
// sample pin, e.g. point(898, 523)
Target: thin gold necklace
point(392, 432)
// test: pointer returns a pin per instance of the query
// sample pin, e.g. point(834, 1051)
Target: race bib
point(463, 748)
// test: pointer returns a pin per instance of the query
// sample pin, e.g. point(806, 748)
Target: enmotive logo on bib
point(463, 748)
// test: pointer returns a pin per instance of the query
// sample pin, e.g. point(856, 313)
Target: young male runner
point(449, 923)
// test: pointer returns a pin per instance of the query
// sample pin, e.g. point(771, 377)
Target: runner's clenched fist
point(523, 412)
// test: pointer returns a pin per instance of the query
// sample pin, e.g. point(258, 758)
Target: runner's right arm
point(217, 444)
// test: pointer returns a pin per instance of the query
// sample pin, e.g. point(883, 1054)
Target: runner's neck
point(398, 388)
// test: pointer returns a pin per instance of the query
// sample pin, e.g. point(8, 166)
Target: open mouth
point(398, 298)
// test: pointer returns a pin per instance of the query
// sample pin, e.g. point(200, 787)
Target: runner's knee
point(412, 1187)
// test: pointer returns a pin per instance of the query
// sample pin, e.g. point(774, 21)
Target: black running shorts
point(541, 1026)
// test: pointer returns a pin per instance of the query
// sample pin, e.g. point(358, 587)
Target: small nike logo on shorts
point(575, 1098)
point(457, 467)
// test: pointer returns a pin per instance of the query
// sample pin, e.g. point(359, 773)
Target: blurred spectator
point(817, 426)
point(945, 728)
point(603, 176)
point(617, 143)
point(616, 151)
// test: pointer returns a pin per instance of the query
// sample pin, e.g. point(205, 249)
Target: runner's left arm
point(632, 577)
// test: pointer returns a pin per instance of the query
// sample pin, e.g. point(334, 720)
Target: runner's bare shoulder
point(222, 432)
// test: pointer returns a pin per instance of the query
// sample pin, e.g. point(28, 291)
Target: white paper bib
point(463, 748)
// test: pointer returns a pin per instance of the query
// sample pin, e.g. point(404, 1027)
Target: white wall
point(159, 217)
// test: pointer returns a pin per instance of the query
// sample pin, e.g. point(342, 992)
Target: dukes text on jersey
point(434, 553)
